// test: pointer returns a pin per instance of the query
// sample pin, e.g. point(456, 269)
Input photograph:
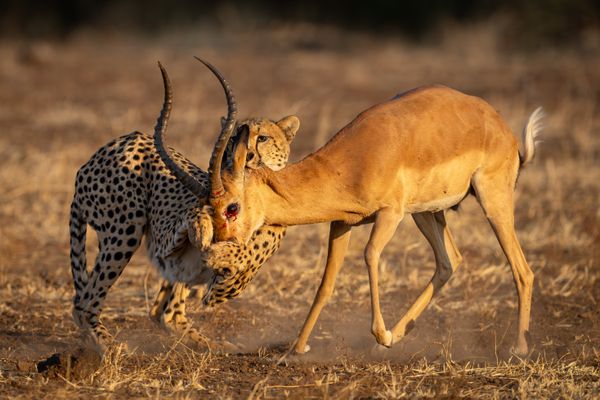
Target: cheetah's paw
point(222, 257)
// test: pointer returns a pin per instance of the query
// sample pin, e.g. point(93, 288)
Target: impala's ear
point(241, 149)
point(289, 125)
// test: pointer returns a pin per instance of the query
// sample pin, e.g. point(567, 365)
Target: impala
point(420, 153)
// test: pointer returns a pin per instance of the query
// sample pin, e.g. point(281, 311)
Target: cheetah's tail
point(78, 228)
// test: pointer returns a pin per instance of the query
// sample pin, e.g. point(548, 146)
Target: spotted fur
point(222, 255)
point(125, 192)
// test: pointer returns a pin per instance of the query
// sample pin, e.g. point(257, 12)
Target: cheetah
point(125, 192)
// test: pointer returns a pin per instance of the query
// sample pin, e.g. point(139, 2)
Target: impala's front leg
point(386, 222)
point(339, 236)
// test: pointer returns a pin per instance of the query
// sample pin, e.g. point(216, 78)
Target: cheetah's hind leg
point(112, 258)
point(173, 318)
point(164, 294)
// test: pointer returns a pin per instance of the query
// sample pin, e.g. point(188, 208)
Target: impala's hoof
point(522, 348)
point(387, 339)
point(520, 351)
point(306, 349)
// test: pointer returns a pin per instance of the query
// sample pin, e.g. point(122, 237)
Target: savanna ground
point(63, 100)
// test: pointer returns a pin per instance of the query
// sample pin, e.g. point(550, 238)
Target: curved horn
point(216, 158)
point(186, 179)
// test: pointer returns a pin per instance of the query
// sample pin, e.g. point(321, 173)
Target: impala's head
point(238, 210)
point(258, 143)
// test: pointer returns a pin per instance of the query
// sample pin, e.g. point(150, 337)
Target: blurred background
point(529, 24)
point(76, 74)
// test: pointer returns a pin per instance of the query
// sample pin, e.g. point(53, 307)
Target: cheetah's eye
point(262, 138)
point(232, 210)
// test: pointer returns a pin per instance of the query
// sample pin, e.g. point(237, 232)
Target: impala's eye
point(232, 210)
point(262, 138)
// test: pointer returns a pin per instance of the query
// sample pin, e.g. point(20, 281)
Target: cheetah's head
point(268, 142)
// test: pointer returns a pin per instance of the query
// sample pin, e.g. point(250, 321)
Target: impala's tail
point(78, 228)
point(531, 132)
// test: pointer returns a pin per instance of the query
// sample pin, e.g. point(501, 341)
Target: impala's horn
point(187, 180)
point(216, 159)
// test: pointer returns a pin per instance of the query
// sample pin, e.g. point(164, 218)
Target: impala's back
point(420, 149)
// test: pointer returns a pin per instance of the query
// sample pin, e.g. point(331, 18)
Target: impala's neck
point(311, 191)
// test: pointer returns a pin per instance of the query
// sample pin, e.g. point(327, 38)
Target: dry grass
point(61, 101)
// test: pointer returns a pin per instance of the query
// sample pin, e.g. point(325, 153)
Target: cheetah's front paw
point(223, 258)
point(206, 227)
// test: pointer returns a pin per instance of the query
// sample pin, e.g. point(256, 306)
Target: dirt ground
point(63, 100)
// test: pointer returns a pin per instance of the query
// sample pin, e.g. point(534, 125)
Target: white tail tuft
point(531, 132)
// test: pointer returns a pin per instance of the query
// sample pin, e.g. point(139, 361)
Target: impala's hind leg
point(115, 253)
point(386, 222)
point(496, 196)
point(449, 243)
point(161, 298)
point(339, 236)
point(433, 227)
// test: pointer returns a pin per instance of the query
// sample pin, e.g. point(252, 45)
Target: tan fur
point(417, 153)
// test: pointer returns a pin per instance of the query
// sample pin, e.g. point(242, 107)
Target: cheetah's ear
point(289, 125)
